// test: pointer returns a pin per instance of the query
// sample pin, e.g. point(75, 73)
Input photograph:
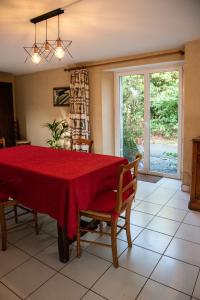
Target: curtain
point(79, 104)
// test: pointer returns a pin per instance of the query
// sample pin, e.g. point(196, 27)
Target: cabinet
point(6, 113)
point(195, 186)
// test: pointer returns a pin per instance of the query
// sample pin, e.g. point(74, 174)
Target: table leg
point(63, 244)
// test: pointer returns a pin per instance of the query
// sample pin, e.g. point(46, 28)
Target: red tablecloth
point(57, 182)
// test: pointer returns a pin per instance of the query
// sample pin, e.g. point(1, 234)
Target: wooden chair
point(19, 140)
point(2, 142)
point(85, 144)
point(8, 202)
point(109, 206)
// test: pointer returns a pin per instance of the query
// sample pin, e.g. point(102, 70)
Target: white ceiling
point(99, 29)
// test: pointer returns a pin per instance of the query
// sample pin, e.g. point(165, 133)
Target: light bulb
point(47, 46)
point(36, 58)
point(59, 52)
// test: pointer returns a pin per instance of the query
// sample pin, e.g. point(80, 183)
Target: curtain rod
point(129, 59)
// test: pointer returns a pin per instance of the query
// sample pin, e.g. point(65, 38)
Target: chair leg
point(15, 214)
point(3, 228)
point(78, 237)
point(114, 242)
point(35, 219)
point(128, 231)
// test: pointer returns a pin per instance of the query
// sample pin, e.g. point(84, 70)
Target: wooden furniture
point(195, 185)
point(58, 182)
point(6, 202)
point(6, 113)
point(82, 145)
point(109, 206)
point(19, 140)
point(2, 142)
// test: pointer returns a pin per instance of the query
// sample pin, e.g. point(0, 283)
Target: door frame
point(117, 104)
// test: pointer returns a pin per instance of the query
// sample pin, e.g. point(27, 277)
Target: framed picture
point(61, 96)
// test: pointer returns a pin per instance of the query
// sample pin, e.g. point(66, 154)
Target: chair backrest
point(16, 130)
point(2, 142)
point(82, 145)
point(127, 183)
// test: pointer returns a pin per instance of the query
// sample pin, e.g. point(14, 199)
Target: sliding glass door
point(149, 106)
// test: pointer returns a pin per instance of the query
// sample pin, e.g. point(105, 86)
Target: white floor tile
point(92, 296)
point(27, 277)
point(105, 252)
point(171, 184)
point(160, 196)
point(86, 269)
point(118, 284)
point(179, 195)
point(135, 231)
point(156, 291)
point(50, 256)
point(50, 228)
point(6, 294)
point(140, 219)
point(44, 219)
point(35, 243)
point(144, 190)
point(10, 259)
point(152, 240)
point(172, 213)
point(176, 274)
point(193, 218)
point(179, 200)
point(196, 293)
point(90, 237)
point(148, 207)
point(136, 203)
point(139, 260)
point(164, 225)
point(19, 233)
point(59, 287)
point(161, 181)
point(185, 251)
point(189, 232)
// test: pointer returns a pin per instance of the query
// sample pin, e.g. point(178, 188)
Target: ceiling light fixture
point(49, 48)
point(34, 52)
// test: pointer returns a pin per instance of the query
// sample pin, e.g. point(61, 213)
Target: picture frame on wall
point(61, 96)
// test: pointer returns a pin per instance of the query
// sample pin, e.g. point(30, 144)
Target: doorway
point(149, 110)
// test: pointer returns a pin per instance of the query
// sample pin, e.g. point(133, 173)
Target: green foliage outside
point(164, 93)
point(164, 103)
point(132, 113)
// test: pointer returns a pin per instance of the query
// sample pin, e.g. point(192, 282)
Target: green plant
point(170, 155)
point(58, 130)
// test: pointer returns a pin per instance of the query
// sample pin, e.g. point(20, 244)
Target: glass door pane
point(132, 116)
point(164, 99)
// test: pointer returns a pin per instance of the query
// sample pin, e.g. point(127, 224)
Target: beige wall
point(34, 103)
point(191, 105)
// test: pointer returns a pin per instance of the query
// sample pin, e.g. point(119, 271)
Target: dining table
point(58, 182)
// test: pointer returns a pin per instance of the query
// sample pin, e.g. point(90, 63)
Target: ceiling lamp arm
point(47, 16)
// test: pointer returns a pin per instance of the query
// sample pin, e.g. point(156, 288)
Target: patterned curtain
point(79, 104)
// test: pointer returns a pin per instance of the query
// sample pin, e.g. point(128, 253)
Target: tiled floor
point(163, 264)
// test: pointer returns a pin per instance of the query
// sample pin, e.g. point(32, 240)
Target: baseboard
point(185, 188)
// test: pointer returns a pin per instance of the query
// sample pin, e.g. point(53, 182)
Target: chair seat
point(105, 202)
